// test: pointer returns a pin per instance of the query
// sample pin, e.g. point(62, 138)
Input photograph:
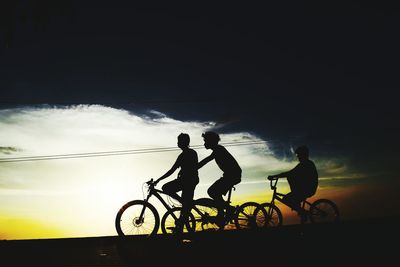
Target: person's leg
point(230, 181)
point(172, 187)
point(216, 192)
point(301, 211)
point(187, 200)
point(293, 200)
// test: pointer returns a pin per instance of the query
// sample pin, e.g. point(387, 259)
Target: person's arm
point(205, 161)
point(287, 173)
point(279, 175)
point(169, 172)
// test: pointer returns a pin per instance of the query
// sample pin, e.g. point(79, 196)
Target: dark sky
point(296, 72)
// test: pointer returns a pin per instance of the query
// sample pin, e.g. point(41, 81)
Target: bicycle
point(320, 211)
point(207, 214)
point(140, 217)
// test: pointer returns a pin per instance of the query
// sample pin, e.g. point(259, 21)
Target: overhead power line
point(117, 152)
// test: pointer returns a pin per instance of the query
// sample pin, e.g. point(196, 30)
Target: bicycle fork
point(140, 220)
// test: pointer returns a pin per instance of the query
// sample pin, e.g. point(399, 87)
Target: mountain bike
point(140, 217)
point(320, 211)
point(209, 216)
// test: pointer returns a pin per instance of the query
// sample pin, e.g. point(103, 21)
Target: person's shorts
point(225, 183)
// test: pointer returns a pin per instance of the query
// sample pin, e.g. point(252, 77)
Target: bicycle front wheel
point(137, 217)
point(169, 220)
point(324, 211)
point(272, 216)
point(247, 217)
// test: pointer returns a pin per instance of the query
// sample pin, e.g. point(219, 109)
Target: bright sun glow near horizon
point(80, 196)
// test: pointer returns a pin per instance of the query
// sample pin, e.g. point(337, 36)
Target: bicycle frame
point(204, 211)
point(152, 191)
point(203, 216)
point(228, 199)
point(243, 212)
point(158, 194)
point(279, 196)
point(320, 210)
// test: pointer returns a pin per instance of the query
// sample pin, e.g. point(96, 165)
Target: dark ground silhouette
point(352, 242)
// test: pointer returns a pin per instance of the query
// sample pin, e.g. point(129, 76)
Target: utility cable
point(118, 152)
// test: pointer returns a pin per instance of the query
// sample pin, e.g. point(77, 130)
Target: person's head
point(183, 140)
point(211, 139)
point(302, 152)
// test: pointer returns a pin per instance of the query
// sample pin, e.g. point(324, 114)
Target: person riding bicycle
point(232, 172)
point(302, 179)
point(186, 181)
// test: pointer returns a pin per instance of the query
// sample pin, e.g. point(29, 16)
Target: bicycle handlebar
point(151, 183)
point(273, 185)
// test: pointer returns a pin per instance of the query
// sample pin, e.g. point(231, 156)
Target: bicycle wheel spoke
point(248, 217)
point(170, 218)
point(270, 217)
point(324, 210)
point(205, 214)
point(128, 221)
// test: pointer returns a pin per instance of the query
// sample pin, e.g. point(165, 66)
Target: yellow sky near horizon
point(14, 228)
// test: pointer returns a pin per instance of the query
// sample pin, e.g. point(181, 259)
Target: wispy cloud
point(8, 150)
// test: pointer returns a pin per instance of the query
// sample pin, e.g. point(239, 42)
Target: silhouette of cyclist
point(302, 179)
point(232, 172)
point(186, 181)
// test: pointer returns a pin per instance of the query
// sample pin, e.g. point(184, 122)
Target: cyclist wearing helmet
point(232, 172)
point(302, 179)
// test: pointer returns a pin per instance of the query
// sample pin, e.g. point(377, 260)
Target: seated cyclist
point(232, 172)
point(186, 181)
point(302, 179)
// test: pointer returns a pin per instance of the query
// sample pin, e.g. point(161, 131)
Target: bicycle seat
point(228, 199)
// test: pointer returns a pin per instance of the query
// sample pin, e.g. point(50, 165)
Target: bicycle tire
point(205, 213)
point(168, 221)
point(127, 223)
point(324, 211)
point(272, 216)
point(246, 216)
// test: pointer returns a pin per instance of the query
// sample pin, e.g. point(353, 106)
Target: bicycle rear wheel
point(205, 214)
point(169, 220)
point(323, 211)
point(247, 217)
point(130, 222)
point(272, 216)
